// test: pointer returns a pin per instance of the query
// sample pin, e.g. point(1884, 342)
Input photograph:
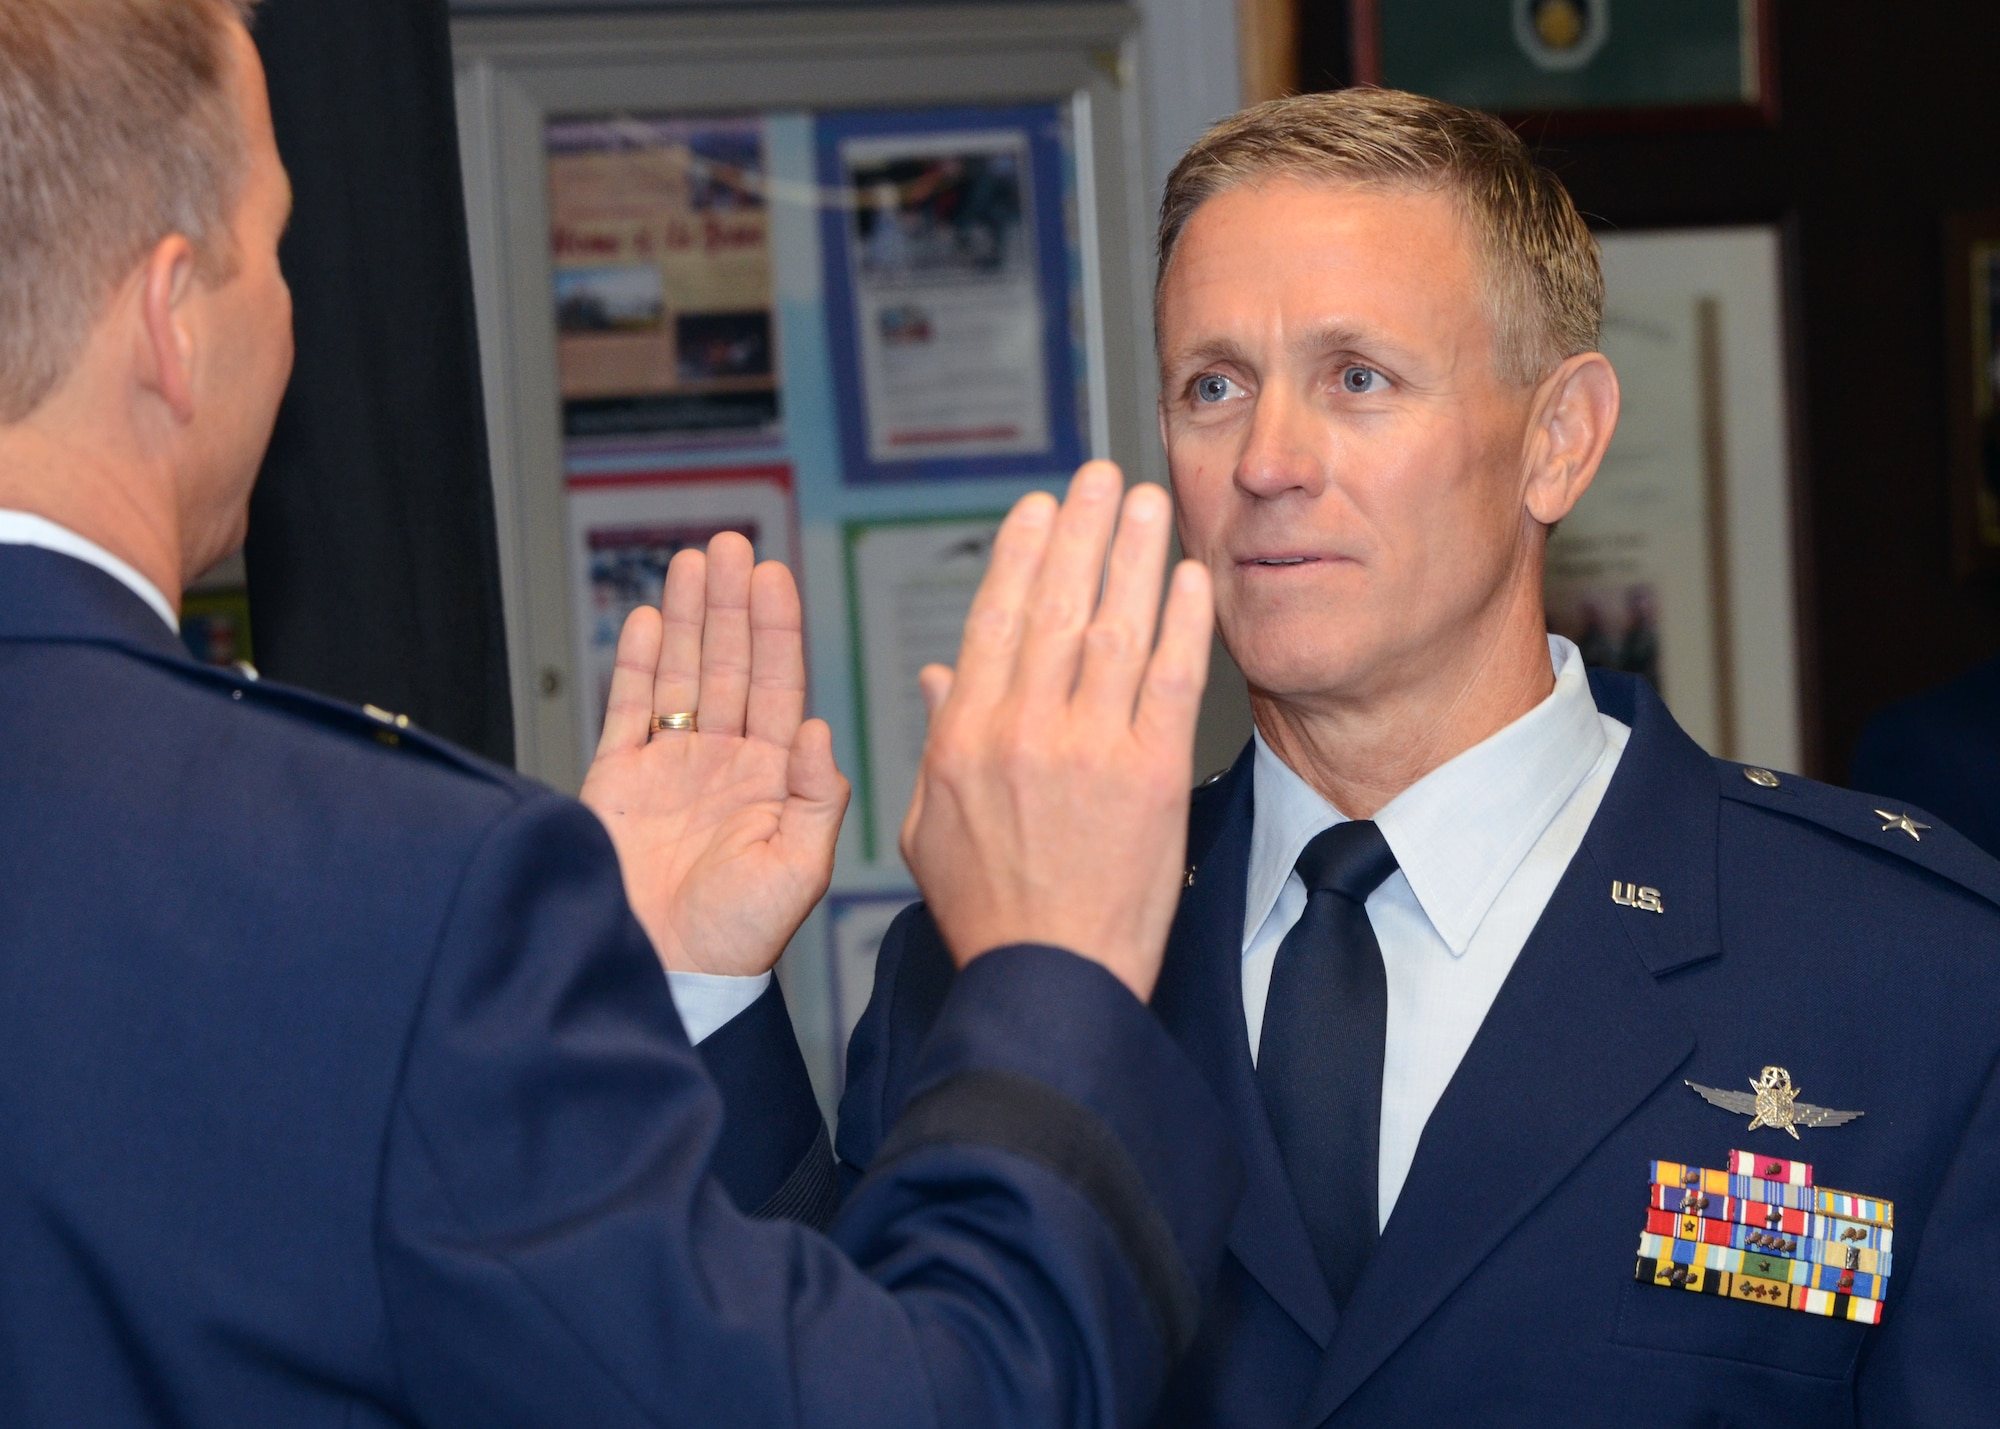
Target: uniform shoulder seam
point(341, 720)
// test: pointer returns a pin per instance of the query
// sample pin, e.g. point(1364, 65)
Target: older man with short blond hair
point(1541, 1030)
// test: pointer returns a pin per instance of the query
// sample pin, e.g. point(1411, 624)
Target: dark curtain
point(373, 569)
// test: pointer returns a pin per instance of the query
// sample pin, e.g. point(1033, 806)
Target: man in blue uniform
point(339, 1083)
point(1495, 970)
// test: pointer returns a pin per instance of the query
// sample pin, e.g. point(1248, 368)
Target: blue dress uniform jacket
point(1941, 749)
point(338, 1086)
point(1795, 931)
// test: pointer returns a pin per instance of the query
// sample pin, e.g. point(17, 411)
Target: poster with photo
point(950, 270)
point(625, 529)
point(910, 585)
point(663, 279)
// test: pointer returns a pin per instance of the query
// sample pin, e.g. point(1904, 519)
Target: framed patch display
point(1577, 65)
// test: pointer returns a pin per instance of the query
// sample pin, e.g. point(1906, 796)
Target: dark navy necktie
point(1319, 1061)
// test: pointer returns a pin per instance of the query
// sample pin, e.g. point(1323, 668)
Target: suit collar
point(48, 595)
point(1578, 1038)
point(1200, 1001)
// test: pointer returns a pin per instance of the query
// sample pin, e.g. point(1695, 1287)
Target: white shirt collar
point(1459, 832)
point(22, 528)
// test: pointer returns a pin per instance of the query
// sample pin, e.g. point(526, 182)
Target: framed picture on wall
point(785, 271)
point(910, 585)
point(950, 282)
point(1577, 66)
point(663, 285)
point(1972, 342)
point(1677, 563)
point(625, 528)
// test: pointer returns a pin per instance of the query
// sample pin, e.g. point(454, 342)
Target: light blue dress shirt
point(1480, 844)
point(707, 1002)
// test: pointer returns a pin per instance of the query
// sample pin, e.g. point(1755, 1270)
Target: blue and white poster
point(949, 286)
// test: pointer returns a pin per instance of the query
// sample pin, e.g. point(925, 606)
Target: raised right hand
point(1051, 805)
point(725, 833)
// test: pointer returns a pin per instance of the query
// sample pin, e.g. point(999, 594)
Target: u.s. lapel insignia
point(1629, 895)
point(1773, 1102)
point(1904, 822)
point(1762, 1231)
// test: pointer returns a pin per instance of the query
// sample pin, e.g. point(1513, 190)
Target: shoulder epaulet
point(242, 682)
point(1888, 825)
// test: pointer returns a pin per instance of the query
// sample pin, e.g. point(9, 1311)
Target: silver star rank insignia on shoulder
point(1904, 822)
point(1773, 1102)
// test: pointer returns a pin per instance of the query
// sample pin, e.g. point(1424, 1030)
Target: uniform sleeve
point(553, 1248)
point(913, 975)
point(774, 1157)
point(1936, 1358)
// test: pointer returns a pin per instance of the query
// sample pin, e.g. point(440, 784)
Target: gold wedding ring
point(683, 721)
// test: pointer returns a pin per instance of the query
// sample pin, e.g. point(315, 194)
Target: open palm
point(725, 833)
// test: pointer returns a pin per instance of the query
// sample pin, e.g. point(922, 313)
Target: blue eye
point(1361, 380)
point(1211, 387)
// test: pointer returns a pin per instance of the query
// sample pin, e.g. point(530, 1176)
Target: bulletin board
point(850, 282)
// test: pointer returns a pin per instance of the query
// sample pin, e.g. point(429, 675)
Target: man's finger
point(628, 713)
point(777, 656)
point(1170, 696)
point(725, 637)
point(811, 776)
point(816, 800)
point(683, 605)
point(1066, 588)
point(1119, 637)
point(993, 627)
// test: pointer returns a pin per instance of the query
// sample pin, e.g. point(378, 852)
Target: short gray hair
point(1545, 288)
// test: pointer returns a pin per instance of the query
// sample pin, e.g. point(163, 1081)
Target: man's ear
point(1576, 410)
point(167, 280)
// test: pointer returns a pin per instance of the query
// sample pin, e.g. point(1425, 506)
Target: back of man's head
point(116, 130)
point(1544, 288)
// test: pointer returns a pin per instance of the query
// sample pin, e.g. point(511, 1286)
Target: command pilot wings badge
point(1773, 1103)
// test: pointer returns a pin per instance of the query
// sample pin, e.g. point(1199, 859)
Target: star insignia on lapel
point(1773, 1102)
point(1904, 822)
